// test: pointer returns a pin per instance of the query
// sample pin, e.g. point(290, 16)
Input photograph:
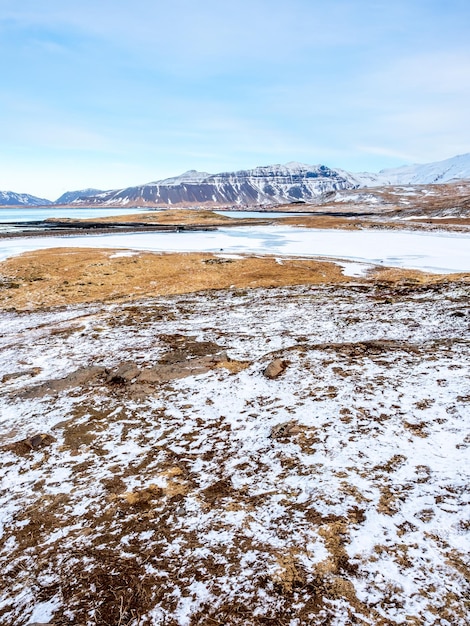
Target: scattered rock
point(187, 348)
point(24, 446)
point(81, 376)
point(124, 374)
point(139, 391)
point(187, 358)
point(34, 371)
point(192, 359)
point(217, 261)
point(150, 375)
point(142, 497)
point(275, 368)
point(279, 431)
point(174, 371)
point(362, 349)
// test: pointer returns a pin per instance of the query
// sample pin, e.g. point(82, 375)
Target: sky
point(116, 93)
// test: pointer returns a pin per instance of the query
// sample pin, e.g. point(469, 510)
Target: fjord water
point(437, 252)
point(33, 214)
point(38, 214)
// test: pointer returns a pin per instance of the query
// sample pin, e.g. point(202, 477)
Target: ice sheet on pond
point(440, 252)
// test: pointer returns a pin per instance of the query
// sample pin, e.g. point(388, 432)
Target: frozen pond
point(433, 252)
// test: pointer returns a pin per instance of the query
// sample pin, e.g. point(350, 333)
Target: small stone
point(275, 368)
point(124, 373)
point(36, 442)
point(285, 429)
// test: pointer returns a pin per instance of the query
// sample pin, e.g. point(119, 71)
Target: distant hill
point(456, 168)
point(10, 198)
point(70, 196)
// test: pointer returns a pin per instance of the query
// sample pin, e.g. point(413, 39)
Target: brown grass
point(63, 276)
point(191, 217)
point(314, 219)
point(321, 221)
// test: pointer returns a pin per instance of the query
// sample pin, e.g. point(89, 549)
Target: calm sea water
point(32, 214)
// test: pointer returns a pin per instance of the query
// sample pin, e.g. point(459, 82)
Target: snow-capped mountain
point(456, 168)
point(70, 196)
point(261, 185)
point(277, 184)
point(10, 198)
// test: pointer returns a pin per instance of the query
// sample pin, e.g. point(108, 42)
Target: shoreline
point(54, 229)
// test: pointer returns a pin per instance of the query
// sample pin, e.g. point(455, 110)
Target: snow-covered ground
point(441, 252)
point(335, 493)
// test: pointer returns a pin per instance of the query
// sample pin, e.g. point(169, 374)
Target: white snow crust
point(358, 515)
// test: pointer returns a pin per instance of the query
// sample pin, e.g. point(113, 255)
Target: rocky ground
point(417, 207)
point(292, 455)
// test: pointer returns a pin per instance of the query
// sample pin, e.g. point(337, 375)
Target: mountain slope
point(456, 168)
point(71, 196)
point(261, 185)
point(10, 198)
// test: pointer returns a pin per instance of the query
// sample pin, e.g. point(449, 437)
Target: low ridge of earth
point(292, 455)
point(171, 220)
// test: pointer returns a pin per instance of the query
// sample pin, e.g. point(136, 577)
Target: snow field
point(192, 497)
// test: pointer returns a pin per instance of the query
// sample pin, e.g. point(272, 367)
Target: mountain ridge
point(71, 196)
point(12, 198)
point(262, 185)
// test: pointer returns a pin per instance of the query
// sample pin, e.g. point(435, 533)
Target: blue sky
point(112, 93)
